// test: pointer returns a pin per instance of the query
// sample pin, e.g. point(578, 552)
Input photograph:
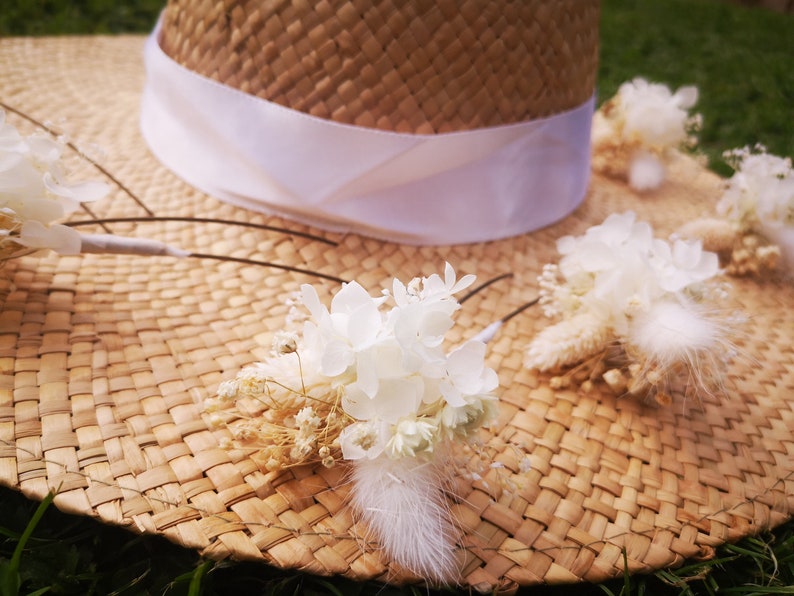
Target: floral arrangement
point(636, 132)
point(368, 382)
point(634, 310)
point(754, 228)
point(35, 192)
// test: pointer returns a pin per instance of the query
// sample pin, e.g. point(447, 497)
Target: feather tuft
point(674, 332)
point(646, 172)
point(403, 504)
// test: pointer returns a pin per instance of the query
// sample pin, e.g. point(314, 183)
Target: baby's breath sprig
point(281, 421)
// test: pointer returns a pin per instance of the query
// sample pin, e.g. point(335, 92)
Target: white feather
point(646, 172)
point(674, 332)
point(402, 503)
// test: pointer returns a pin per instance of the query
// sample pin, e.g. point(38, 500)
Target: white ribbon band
point(449, 188)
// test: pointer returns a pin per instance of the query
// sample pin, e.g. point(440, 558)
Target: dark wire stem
point(484, 285)
point(77, 150)
point(109, 220)
point(520, 309)
point(317, 274)
point(99, 222)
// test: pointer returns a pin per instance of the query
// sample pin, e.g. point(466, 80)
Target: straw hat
point(108, 360)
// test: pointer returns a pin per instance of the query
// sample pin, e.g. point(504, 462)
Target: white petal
point(398, 398)
point(337, 356)
point(451, 394)
point(41, 210)
point(686, 97)
point(312, 302)
point(357, 404)
point(349, 298)
point(364, 324)
point(62, 239)
point(449, 275)
point(367, 373)
point(465, 364)
point(83, 192)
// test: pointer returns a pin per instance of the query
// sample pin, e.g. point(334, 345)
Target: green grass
point(60, 17)
point(740, 59)
point(76, 556)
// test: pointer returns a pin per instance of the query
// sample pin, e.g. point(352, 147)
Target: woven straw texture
point(105, 360)
point(418, 66)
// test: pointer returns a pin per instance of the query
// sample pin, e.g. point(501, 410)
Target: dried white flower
point(635, 132)
point(759, 200)
point(35, 192)
point(636, 297)
point(370, 375)
point(761, 190)
point(568, 342)
point(285, 342)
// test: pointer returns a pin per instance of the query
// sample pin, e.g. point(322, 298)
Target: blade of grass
point(9, 570)
point(194, 589)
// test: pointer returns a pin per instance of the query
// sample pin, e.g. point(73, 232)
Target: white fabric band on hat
point(448, 188)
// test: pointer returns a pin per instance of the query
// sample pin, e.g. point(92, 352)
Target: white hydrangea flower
point(760, 191)
point(653, 114)
point(391, 365)
point(466, 375)
point(35, 192)
point(378, 367)
point(759, 198)
point(634, 133)
point(683, 265)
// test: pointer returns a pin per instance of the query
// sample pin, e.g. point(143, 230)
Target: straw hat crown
point(408, 66)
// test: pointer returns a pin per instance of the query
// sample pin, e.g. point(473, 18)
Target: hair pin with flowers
point(753, 228)
point(636, 132)
point(36, 194)
point(368, 383)
point(635, 311)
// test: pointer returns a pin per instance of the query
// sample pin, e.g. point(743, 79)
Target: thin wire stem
point(102, 224)
point(268, 264)
point(244, 224)
point(520, 309)
point(484, 285)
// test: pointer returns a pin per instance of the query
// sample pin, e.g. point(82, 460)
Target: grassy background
point(740, 59)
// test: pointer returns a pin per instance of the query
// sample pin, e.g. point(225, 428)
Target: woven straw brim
point(106, 359)
point(419, 66)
